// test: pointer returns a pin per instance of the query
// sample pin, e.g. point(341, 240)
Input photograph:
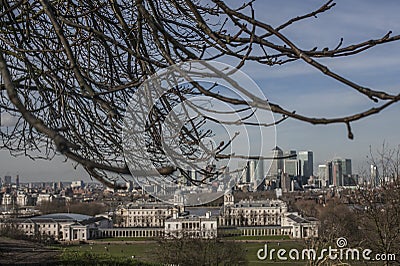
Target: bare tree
point(336, 220)
point(380, 218)
point(69, 69)
point(386, 159)
point(379, 204)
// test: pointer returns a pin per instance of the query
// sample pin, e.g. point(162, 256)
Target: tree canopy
point(69, 69)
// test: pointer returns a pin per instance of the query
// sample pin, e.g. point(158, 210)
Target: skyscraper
point(341, 172)
point(190, 175)
point(328, 173)
point(256, 168)
point(348, 179)
point(306, 163)
point(285, 182)
point(277, 164)
point(323, 175)
point(7, 180)
point(374, 175)
point(337, 172)
point(253, 172)
point(291, 153)
point(291, 167)
point(346, 167)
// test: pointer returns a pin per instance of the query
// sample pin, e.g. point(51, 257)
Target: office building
point(253, 173)
point(77, 184)
point(322, 175)
point(7, 180)
point(277, 164)
point(329, 173)
point(337, 172)
point(306, 163)
point(256, 168)
point(291, 167)
point(346, 167)
point(375, 181)
point(342, 172)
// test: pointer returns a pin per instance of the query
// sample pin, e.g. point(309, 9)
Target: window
point(212, 226)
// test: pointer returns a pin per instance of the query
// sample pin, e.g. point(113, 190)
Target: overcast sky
point(299, 87)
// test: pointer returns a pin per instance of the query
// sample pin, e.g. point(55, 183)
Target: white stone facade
point(247, 217)
point(265, 217)
point(62, 227)
point(44, 198)
point(191, 226)
point(300, 227)
point(252, 213)
point(144, 214)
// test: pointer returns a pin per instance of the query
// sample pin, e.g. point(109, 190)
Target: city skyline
point(277, 164)
point(59, 170)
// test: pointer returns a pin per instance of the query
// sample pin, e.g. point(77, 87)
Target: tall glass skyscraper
point(306, 163)
point(277, 164)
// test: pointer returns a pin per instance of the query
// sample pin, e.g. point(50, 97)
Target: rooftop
point(260, 203)
point(63, 216)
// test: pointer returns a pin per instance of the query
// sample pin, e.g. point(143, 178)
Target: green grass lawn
point(139, 251)
point(146, 251)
